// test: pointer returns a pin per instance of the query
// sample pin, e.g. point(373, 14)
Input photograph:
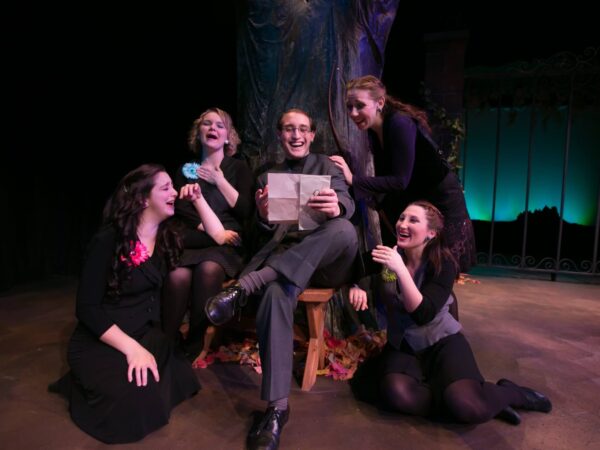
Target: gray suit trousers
point(324, 258)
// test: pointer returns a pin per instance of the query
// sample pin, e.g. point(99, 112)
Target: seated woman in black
point(427, 365)
point(125, 377)
point(209, 258)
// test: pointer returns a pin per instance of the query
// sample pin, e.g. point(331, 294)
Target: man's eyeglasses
point(302, 129)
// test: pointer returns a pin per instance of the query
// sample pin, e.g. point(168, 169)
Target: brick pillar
point(444, 74)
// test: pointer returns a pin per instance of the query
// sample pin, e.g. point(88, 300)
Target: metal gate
point(531, 163)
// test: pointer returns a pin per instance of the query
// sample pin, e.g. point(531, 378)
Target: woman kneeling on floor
point(125, 377)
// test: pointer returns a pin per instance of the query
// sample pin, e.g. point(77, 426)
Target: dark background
point(104, 90)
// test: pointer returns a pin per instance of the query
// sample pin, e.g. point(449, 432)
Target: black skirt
point(104, 404)
point(448, 360)
point(224, 255)
point(449, 198)
point(461, 237)
point(199, 247)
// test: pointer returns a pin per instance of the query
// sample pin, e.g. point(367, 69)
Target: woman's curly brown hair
point(122, 213)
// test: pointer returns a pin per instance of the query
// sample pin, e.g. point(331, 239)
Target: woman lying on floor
point(427, 366)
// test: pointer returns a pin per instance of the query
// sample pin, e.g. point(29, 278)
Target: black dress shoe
point(265, 433)
point(534, 400)
point(509, 415)
point(222, 307)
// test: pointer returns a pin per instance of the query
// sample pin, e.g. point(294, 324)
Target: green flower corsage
point(388, 276)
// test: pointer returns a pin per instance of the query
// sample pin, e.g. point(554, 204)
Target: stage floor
point(538, 333)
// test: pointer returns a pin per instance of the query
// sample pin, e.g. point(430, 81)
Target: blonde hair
point(233, 139)
point(377, 90)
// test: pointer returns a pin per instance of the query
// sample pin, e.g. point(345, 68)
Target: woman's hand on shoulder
point(139, 362)
point(325, 201)
point(343, 166)
point(358, 298)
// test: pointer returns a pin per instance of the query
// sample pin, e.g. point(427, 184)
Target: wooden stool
point(315, 300)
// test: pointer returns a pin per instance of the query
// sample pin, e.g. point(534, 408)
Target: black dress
point(198, 245)
point(411, 167)
point(102, 402)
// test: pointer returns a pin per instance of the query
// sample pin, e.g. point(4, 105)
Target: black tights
point(201, 282)
point(405, 394)
point(467, 400)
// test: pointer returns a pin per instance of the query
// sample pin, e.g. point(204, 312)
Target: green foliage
point(451, 129)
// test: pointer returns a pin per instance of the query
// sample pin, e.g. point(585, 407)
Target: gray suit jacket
point(315, 164)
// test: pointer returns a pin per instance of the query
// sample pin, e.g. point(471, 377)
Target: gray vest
point(419, 337)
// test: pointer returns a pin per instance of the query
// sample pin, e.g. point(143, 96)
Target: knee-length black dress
point(102, 402)
point(198, 245)
point(408, 167)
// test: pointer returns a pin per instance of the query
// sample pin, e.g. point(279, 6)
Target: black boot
point(534, 400)
point(509, 415)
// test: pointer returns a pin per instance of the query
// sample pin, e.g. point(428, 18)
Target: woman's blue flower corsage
point(190, 170)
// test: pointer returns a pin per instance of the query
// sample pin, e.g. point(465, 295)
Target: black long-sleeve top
point(138, 305)
point(407, 161)
point(435, 290)
point(238, 174)
point(431, 320)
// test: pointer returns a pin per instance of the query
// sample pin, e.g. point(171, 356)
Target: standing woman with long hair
point(408, 164)
point(209, 257)
point(125, 377)
point(427, 366)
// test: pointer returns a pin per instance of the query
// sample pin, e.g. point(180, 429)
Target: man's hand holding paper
point(261, 197)
point(291, 199)
point(326, 201)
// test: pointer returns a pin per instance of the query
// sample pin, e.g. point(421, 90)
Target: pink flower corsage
point(137, 255)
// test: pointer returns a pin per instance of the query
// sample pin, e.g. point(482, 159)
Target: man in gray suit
point(290, 262)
